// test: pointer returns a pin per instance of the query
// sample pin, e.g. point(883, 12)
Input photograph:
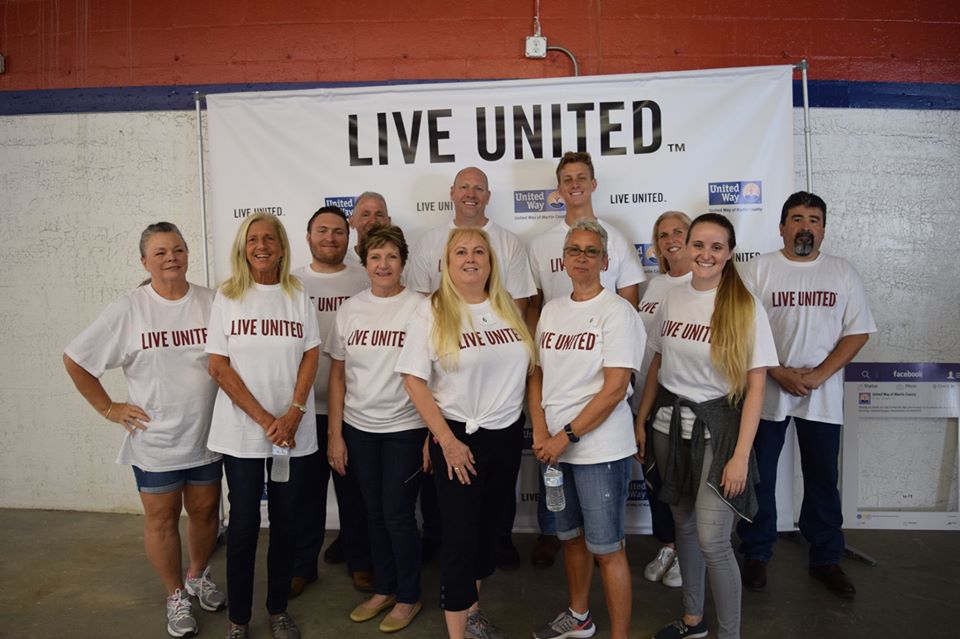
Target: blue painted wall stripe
point(823, 93)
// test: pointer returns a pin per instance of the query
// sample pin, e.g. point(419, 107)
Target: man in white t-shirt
point(328, 280)
point(369, 210)
point(820, 319)
point(470, 194)
point(576, 183)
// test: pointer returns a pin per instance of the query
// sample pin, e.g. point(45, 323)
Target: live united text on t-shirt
point(368, 335)
point(486, 388)
point(159, 344)
point(577, 341)
point(265, 335)
point(327, 292)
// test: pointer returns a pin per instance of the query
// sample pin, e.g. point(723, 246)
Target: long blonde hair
point(662, 263)
point(240, 280)
point(450, 309)
point(731, 325)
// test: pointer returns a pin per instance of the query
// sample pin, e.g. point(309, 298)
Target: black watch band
point(568, 429)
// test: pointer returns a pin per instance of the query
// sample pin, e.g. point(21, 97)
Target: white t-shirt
point(423, 273)
point(159, 345)
point(577, 340)
point(546, 262)
point(327, 292)
point(681, 334)
point(367, 336)
point(352, 257)
point(265, 335)
point(811, 305)
point(649, 303)
point(486, 388)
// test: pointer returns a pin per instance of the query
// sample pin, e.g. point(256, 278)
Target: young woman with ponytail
point(703, 394)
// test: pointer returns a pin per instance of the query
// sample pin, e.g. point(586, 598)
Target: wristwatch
point(300, 407)
point(568, 429)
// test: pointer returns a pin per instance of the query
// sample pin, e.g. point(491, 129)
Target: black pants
point(471, 514)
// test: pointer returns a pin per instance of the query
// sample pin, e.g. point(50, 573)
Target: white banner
point(696, 141)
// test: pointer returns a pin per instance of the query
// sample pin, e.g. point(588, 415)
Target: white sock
point(579, 616)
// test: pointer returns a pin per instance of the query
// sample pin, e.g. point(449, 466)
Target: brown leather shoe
point(545, 552)
point(363, 580)
point(298, 585)
point(835, 580)
point(754, 575)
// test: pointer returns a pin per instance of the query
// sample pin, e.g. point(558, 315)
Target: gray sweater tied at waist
point(681, 474)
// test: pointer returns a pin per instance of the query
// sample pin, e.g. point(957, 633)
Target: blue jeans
point(820, 515)
point(596, 500)
point(312, 522)
point(386, 466)
point(245, 481)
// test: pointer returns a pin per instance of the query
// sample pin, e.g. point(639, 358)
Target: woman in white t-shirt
point(264, 346)
point(673, 261)
point(712, 345)
point(156, 334)
point(589, 342)
point(374, 427)
point(465, 363)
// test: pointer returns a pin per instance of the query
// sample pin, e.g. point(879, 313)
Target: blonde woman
point(263, 344)
point(673, 260)
point(712, 345)
point(465, 363)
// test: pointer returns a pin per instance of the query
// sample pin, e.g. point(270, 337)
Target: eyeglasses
point(575, 251)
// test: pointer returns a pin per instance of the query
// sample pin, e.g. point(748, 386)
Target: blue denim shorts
point(167, 481)
point(596, 496)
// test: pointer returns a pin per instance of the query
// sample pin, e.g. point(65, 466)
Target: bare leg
point(457, 620)
point(202, 505)
point(615, 574)
point(161, 536)
point(578, 564)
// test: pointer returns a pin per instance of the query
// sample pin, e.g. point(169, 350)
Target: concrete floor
point(74, 574)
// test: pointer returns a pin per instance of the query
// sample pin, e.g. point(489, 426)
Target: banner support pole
point(803, 65)
point(197, 99)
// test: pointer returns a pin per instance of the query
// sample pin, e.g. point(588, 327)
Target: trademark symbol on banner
point(678, 147)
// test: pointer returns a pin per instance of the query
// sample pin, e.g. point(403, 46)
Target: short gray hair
point(590, 226)
point(374, 195)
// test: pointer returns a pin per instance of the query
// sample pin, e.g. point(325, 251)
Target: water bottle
point(280, 471)
point(553, 481)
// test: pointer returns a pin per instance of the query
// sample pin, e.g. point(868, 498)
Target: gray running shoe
point(566, 626)
point(180, 621)
point(208, 596)
point(238, 632)
point(284, 627)
point(479, 627)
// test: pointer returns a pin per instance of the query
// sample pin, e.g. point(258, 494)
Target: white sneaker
point(208, 595)
point(660, 564)
point(180, 620)
point(672, 578)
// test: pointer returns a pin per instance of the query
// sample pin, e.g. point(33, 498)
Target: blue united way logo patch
point(344, 202)
point(537, 201)
point(733, 193)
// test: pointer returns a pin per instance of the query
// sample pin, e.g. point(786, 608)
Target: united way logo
point(733, 193)
point(648, 257)
point(346, 203)
point(637, 490)
point(864, 399)
point(537, 201)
